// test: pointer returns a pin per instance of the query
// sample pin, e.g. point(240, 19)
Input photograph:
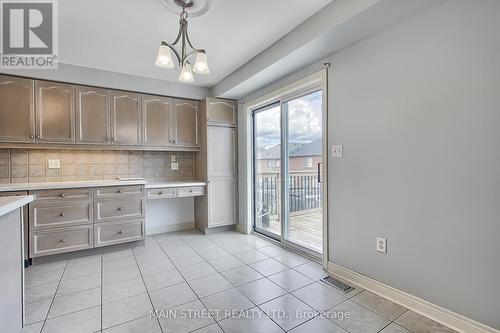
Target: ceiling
point(123, 35)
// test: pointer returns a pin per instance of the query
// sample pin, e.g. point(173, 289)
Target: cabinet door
point(222, 195)
point(221, 112)
point(92, 115)
point(222, 147)
point(126, 118)
point(17, 117)
point(157, 120)
point(186, 115)
point(55, 112)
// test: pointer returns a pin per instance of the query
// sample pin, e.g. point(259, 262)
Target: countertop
point(8, 204)
point(97, 183)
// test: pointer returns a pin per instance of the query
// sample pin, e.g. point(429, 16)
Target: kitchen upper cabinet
point(221, 112)
point(186, 119)
point(93, 115)
point(17, 116)
point(221, 152)
point(55, 112)
point(126, 118)
point(157, 117)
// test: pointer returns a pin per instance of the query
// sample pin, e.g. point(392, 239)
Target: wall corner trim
point(441, 315)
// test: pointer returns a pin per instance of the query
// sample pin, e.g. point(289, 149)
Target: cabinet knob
point(120, 232)
point(190, 191)
point(62, 214)
point(38, 137)
point(109, 139)
point(160, 193)
point(62, 195)
point(120, 208)
point(63, 240)
point(32, 136)
point(120, 191)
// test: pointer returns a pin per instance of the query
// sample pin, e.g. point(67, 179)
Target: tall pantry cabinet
point(217, 165)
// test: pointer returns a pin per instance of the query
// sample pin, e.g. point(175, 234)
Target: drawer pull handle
point(120, 208)
point(63, 195)
point(62, 214)
point(120, 232)
point(63, 240)
point(190, 191)
point(120, 191)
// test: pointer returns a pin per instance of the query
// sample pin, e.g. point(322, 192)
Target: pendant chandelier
point(187, 51)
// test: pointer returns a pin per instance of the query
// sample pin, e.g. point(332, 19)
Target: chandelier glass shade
point(183, 56)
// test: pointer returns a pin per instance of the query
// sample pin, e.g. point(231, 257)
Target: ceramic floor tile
point(142, 325)
point(214, 328)
point(85, 260)
point(81, 270)
point(420, 324)
point(170, 297)
point(156, 267)
point(119, 275)
point(36, 278)
point(197, 271)
point(249, 257)
point(186, 318)
point(319, 296)
point(254, 321)
point(124, 289)
point(290, 280)
point(75, 302)
point(319, 325)
point(268, 267)
point(41, 292)
point(312, 270)
point(261, 291)
point(273, 250)
point(209, 285)
point(287, 311)
point(226, 263)
point(113, 254)
point(149, 257)
point(163, 279)
point(84, 321)
point(227, 303)
point(291, 259)
point(241, 275)
point(360, 320)
point(37, 311)
point(125, 310)
point(394, 328)
point(187, 259)
point(380, 305)
point(118, 263)
point(79, 284)
point(33, 328)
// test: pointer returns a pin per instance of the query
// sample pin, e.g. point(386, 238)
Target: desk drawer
point(63, 195)
point(191, 191)
point(51, 216)
point(162, 193)
point(118, 191)
point(110, 210)
point(45, 242)
point(115, 233)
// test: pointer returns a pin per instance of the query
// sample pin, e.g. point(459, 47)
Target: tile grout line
point(102, 273)
point(54, 297)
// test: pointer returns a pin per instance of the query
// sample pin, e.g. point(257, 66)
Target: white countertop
point(8, 204)
point(97, 183)
point(174, 183)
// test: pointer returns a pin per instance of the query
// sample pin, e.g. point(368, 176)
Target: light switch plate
point(174, 166)
point(381, 244)
point(173, 158)
point(54, 164)
point(338, 150)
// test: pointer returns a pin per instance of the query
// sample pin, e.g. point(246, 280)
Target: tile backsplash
point(31, 165)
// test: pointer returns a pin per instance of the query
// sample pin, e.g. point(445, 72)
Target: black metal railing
point(305, 193)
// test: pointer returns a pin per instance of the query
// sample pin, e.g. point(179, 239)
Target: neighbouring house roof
point(274, 153)
point(312, 148)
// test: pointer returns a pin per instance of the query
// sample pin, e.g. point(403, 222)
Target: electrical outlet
point(54, 164)
point(338, 150)
point(381, 244)
point(173, 158)
point(174, 166)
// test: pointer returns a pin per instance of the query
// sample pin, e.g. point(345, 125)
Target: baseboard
point(441, 315)
point(241, 228)
point(169, 228)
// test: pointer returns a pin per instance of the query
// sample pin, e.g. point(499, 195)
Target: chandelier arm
point(179, 34)
point(175, 52)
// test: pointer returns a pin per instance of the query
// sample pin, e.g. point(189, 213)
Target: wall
point(417, 110)
point(30, 165)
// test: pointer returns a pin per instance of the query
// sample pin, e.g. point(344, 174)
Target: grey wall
point(417, 109)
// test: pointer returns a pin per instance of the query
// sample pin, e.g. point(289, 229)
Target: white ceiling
point(123, 35)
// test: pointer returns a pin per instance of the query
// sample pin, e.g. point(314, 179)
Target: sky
point(304, 122)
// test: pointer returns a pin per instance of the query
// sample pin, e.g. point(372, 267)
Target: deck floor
point(305, 229)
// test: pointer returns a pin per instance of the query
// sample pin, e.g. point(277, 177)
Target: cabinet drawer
point(63, 195)
point(119, 209)
point(191, 191)
point(118, 191)
point(162, 193)
point(47, 216)
point(53, 241)
point(114, 233)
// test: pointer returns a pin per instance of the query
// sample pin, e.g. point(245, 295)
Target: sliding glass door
point(288, 164)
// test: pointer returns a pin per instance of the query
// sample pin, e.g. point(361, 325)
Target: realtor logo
point(29, 34)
